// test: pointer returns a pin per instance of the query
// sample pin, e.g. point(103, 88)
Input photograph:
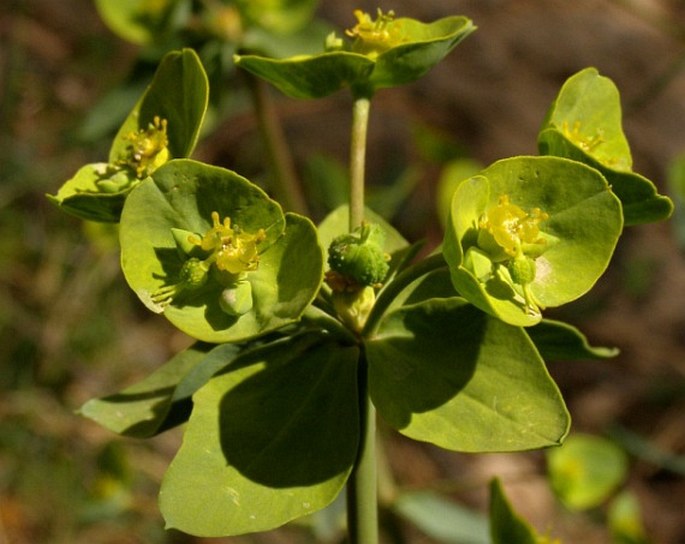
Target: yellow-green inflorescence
point(511, 236)
point(148, 148)
point(227, 250)
point(371, 37)
point(586, 143)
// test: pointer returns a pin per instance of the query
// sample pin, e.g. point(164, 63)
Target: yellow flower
point(375, 37)
point(512, 229)
point(511, 236)
point(148, 148)
point(232, 251)
point(586, 143)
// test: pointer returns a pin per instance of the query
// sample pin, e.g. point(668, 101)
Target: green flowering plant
point(584, 124)
point(212, 261)
point(529, 233)
point(374, 54)
point(164, 124)
point(305, 334)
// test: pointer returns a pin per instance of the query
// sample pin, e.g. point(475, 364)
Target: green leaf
point(271, 439)
point(133, 20)
point(435, 284)
point(441, 519)
point(423, 46)
point(506, 526)
point(586, 470)
point(561, 341)
point(443, 372)
point(179, 93)
point(277, 16)
point(625, 520)
point(309, 76)
point(151, 405)
point(580, 232)
point(418, 48)
point(182, 195)
point(84, 195)
point(306, 40)
point(584, 124)
point(453, 173)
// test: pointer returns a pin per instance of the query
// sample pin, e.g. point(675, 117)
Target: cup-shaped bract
point(215, 254)
point(164, 124)
point(529, 233)
point(386, 52)
point(584, 123)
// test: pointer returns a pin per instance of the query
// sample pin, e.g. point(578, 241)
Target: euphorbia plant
point(304, 332)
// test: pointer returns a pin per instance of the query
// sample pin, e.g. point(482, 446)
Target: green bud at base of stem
point(354, 307)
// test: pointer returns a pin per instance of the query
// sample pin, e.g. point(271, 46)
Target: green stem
point(360, 123)
point(286, 186)
point(362, 487)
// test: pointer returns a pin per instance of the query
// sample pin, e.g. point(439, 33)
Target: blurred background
point(71, 330)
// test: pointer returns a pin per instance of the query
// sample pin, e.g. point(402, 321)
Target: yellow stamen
point(148, 148)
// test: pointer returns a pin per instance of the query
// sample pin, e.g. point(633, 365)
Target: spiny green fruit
point(359, 255)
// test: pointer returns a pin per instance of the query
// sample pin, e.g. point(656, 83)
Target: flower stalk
point(360, 123)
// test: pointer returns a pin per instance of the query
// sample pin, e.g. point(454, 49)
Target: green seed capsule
point(522, 269)
point(359, 256)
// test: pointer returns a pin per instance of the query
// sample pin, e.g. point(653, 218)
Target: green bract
point(442, 371)
point(387, 53)
point(193, 234)
point(271, 438)
point(164, 124)
point(506, 526)
point(557, 215)
point(584, 124)
point(134, 20)
point(586, 470)
point(279, 16)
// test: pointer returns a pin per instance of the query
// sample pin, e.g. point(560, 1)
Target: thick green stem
point(286, 185)
point(362, 487)
point(360, 122)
